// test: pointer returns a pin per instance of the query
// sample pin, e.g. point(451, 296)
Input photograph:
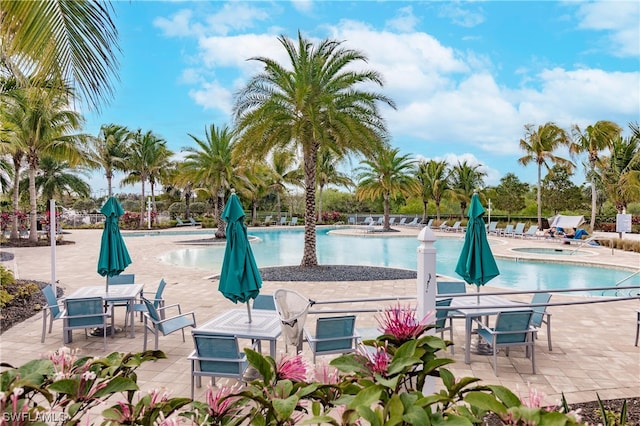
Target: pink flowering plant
point(380, 384)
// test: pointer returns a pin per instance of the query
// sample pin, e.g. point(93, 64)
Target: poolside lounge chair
point(334, 335)
point(455, 228)
point(380, 221)
point(267, 220)
point(403, 221)
point(392, 221)
point(518, 231)
point(193, 222)
point(443, 226)
point(638, 329)
point(294, 221)
point(512, 328)
point(414, 222)
point(283, 220)
point(492, 229)
point(507, 231)
point(531, 232)
point(179, 222)
point(351, 220)
point(429, 223)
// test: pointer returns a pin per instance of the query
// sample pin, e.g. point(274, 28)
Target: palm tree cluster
point(294, 125)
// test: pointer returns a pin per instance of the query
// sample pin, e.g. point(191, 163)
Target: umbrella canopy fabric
point(240, 278)
point(114, 257)
point(476, 263)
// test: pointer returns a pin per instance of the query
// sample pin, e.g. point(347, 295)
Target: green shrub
point(6, 279)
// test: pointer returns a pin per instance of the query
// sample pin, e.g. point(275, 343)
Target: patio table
point(127, 292)
point(265, 325)
point(472, 308)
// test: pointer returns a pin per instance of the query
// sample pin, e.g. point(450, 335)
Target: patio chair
point(429, 223)
point(216, 356)
point(51, 311)
point(158, 302)
point(179, 222)
point(512, 328)
point(638, 329)
point(443, 226)
point(414, 222)
point(121, 279)
point(403, 221)
point(441, 320)
point(283, 220)
point(392, 221)
point(193, 222)
point(368, 221)
point(507, 231)
point(334, 335)
point(351, 220)
point(531, 232)
point(157, 324)
point(292, 308)
point(294, 221)
point(456, 227)
point(83, 314)
point(540, 314)
point(451, 287)
point(264, 301)
point(267, 220)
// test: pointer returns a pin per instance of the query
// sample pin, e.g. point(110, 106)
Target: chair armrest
point(163, 308)
point(186, 314)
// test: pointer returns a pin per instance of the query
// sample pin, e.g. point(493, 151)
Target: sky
point(466, 77)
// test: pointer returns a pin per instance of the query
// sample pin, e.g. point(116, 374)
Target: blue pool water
point(285, 247)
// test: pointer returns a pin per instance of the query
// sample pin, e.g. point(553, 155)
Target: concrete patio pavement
point(593, 347)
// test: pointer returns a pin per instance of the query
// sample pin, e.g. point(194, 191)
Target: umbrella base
point(98, 332)
point(481, 347)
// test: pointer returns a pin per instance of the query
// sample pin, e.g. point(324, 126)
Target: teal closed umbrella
point(240, 279)
point(476, 263)
point(114, 257)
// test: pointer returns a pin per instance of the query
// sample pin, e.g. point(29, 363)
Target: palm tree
point(108, 151)
point(41, 125)
point(159, 166)
point(539, 145)
point(621, 170)
point(433, 177)
point(284, 171)
point(212, 167)
point(317, 102)
point(329, 174)
point(56, 179)
point(465, 180)
point(69, 41)
point(142, 153)
point(386, 175)
point(592, 141)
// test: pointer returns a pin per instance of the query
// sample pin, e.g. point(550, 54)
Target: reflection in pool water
point(284, 247)
point(551, 251)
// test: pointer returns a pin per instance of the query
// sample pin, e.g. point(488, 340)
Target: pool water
point(285, 247)
point(551, 251)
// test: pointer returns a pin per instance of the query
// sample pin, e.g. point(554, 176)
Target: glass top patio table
point(265, 325)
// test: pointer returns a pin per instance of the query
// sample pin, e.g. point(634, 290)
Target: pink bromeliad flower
point(218, 402)
point(293, 368)
point(401, 322)
point(327, 375)
point(376, 359)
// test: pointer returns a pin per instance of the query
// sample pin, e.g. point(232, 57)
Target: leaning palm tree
point(284, 171)
point(320, 99)
point(41, 125)
point(539, 145)
point(620, 171)
point(57, 179)
point(67, 41)
point(108, 151)
point(593, 140)
point(433, 176)
point(386, 175)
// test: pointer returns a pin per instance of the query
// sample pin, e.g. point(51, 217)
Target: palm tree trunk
point(309, 257)
point(320, 204)
point(539, 196)
point(437, 210)
point(33, 214)
point(16, 199)
point(386, 209)
point(425, 204)
point(221, 231)
point(109, 178)
point(142, 204)
point(594, 204)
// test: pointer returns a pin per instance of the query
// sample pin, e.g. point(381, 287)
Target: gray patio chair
point(638, 329)
point(333, 335)
point(540, 314)
point(155, 323)
point(512, 328)
point(51, 312)
point(83, 314)
point(442, 317)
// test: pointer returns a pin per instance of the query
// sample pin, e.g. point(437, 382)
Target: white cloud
point(462, 16)
point(213, 96)
point(619, 19)
point(178, 25)
point(304, 6)
point(405, 21)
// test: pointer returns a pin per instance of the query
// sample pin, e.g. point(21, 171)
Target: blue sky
point(466, 76)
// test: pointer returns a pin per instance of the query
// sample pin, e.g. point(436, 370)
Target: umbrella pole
point(249, 310)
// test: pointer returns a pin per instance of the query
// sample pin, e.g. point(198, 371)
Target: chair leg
point(104, 336)
point(144, 347)
point(495, 360)
point(533, 358)
point(44, 326)
point(193, 366)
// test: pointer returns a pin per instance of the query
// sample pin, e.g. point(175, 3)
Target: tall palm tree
point(284, 171)
point(433, 177)
point(322, 99)
point(108, 151)
point(14, 150)
point(386, 175)
point(159, 166)
point(70, 41)
point(57, 179)
point(539, 145)
point(329, 174)
point(593, 140)
point(465, 180)
point(212, 165)
point(41, 125)
point(140, 156)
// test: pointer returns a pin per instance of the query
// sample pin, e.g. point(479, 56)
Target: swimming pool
point(285, 247)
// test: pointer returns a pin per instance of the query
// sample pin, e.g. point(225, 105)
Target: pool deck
point(593, 345)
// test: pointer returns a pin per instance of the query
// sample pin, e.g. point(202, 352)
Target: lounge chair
point(193, 222)
point(531, 232)
point(179, 222)
point(283, 220)
point(267, 220)
point(512, 328)
point(518, 231)
point(392, 221)
point(414, 222)
point(334, 335)
point(638, 329)
point(380, 221)
point(492, 229)
point(294, 221)
point(455, 228)
point(507, 231)
point(429, 223)
point(351, 220)
point(403, 221)
point(368, 221)
point(443, 226)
